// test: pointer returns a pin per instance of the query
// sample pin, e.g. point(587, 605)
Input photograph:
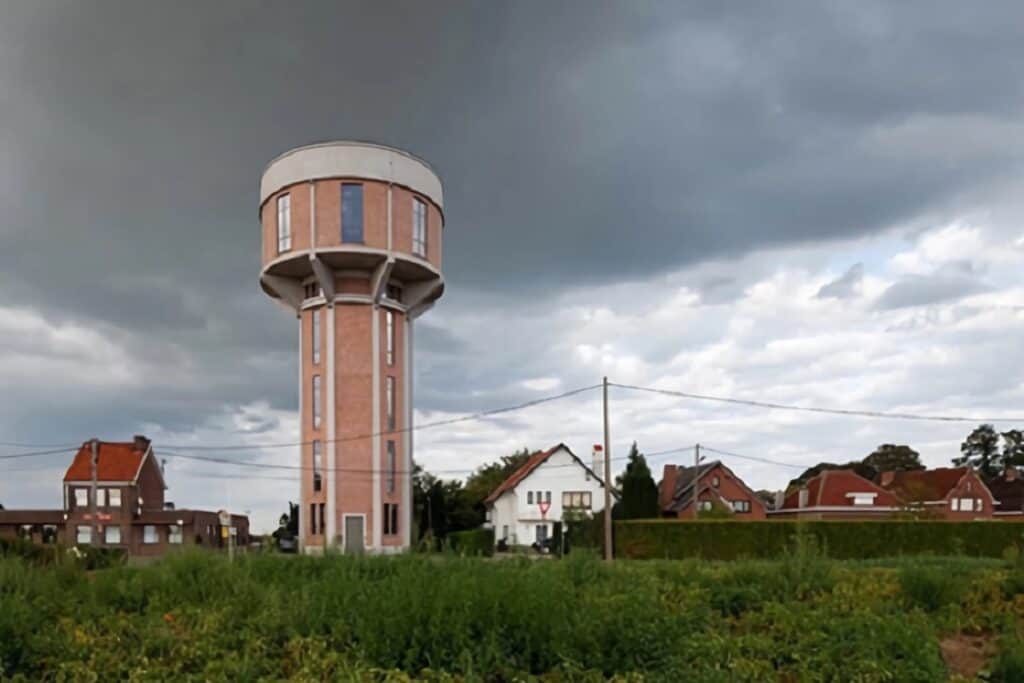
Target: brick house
point(1008, 490)
point(951, 493)
point(838, 494)
point(130, 510)
point(717, 487)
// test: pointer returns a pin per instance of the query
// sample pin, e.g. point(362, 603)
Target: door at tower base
point(354, 534)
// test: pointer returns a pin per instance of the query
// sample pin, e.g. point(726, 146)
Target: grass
point(801, 618)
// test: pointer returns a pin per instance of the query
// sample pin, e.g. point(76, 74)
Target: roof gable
point(115, 461)
point(531, 464)
point(835, 488)
point(927, 485)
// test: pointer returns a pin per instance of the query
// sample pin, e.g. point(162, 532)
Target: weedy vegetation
point(802, 617)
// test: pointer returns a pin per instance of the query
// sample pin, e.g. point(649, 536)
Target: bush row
point(478, 542)
point(730, 540)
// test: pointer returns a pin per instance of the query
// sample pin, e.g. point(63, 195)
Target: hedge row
point(472, 542)
point(730, 540)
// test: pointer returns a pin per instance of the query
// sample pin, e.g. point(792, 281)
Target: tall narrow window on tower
point(389, 318)
point(317, 476)
point(390, 385)
point(351, 212)
point(316, 337)
point(316, 401)
point(392, 462)
point(419, 227)
point(284, 223)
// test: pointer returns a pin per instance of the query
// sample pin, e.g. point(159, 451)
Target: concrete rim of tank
point(351, 159)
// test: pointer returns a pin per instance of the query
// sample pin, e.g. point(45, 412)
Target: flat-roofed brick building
point(122, 507)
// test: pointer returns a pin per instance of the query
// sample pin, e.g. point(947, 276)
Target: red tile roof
point(832, 488)
point(115, 462)
point(926, 485)
point(532, 463)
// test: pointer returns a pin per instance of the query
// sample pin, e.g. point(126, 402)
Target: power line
point(755, 458)
point(350, 470)
point(33, 454)
point(809, 409)
point(414, 428)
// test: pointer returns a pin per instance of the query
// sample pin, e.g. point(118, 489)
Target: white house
point(524, 507)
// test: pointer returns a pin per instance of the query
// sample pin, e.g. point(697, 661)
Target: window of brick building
point(316, 401)
point(149, 534)
point(316, 336)
point(83, 534)
point(390, 388)
point(392, 465)
point(284, 223)
point(81, 498)
point(112, 535)
point(419, 227)
point(390, 519)
point(351, 212)
point(317, 476)
point(174, 534)
point(113, 498)
point(389, 326)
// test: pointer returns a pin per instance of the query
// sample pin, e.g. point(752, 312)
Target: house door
point(541, 533)
point(354, 534)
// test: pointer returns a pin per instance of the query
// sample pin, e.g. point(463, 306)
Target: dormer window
point(81, 498)
point(862, 499)
point(113, 498)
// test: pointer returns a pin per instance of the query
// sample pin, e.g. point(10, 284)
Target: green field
point(799, 618)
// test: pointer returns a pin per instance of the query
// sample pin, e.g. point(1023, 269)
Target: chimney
point(597, 461)
point(887, 478)
point(667, 487)
point(1011, 473)
point(804, 495)
point(141, 443)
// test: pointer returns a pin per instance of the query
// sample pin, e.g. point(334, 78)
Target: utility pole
point(696, 477)
point(607, 481)
point(94, 462)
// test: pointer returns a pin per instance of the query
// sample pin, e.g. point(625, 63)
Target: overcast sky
point(816, 203)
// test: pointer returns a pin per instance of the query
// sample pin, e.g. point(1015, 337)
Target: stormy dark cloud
point(625, 185)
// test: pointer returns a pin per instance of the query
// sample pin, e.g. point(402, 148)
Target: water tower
point(352, 237)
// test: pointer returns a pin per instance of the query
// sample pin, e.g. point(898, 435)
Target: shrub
point(1008, 666)
point(730, 540)
point(930, 587)
point(473, 542)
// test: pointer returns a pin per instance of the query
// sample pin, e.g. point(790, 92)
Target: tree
point(639, 492)
point(866, 471)
point(890, 457)
point(981, 450)
point(1013, 448)
point(488, 477)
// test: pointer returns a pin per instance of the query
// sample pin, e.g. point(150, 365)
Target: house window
point(547, 496)
point(316, 401)
point(389, 326)
point(419, 227)
point(323, 527)
point(174, 534)
point(393, 292)
point(965, 504)
point(863, 499)
point(317, 477)
point(392, 462)
point(112, 535)
point(316, 337)
point(312, 290)
point(390, 519)
point(704, 505)
point(149, 534)
point(25, 531)
point(49, 533)
point(83, 534)
point(741, 505)
point(390, 387)
point(576, 500)
point(284, 223)
point(351, 212)
point(81, 498)
point(529, 497)
point(312, 519)
point(715, 482)
point(113, 498)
